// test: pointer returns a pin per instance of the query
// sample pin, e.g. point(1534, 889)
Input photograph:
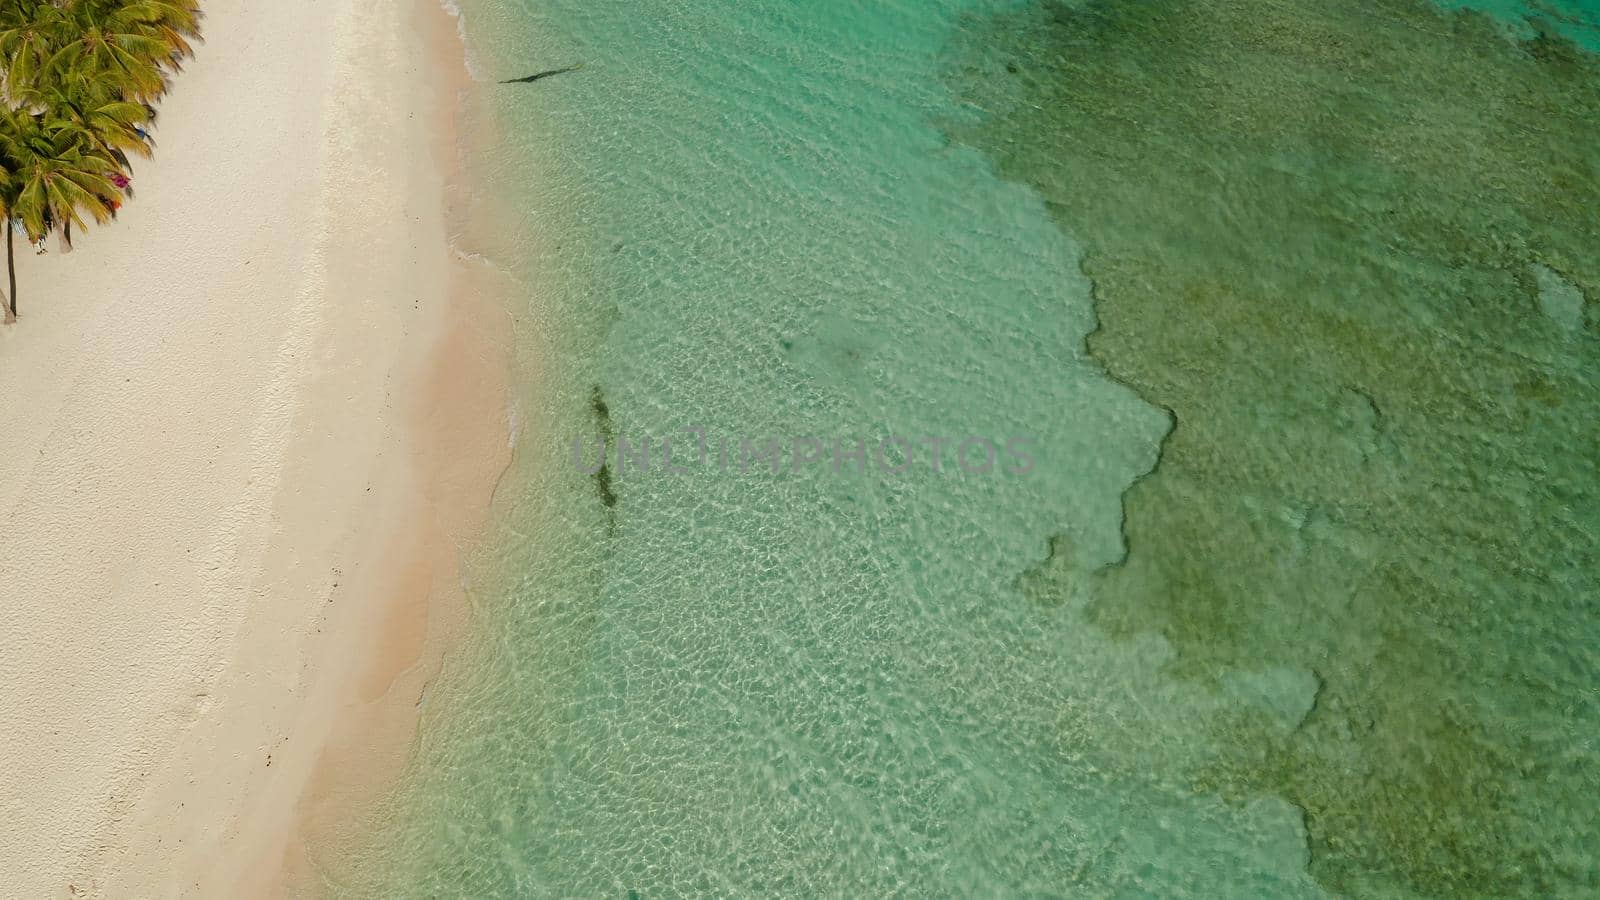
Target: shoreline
point(463, 446)
point(238, 574)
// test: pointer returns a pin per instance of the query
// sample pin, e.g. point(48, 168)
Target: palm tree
point(57, 174)
point(77, 80)
point(131, 45)
point(8, 200)
point(6, 197)
point(173, 22)
point(28, 29)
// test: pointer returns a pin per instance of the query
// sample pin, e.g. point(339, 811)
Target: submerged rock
point(1317, 232)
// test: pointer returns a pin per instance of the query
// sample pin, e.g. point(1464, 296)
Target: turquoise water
point(845, 220)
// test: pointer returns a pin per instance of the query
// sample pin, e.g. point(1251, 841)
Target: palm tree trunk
point(11, 270)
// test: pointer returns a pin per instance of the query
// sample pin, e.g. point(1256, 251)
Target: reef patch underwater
point(1352, 247)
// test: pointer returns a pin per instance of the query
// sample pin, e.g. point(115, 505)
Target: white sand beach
point(247, 435)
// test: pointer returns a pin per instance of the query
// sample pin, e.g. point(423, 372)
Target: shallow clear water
point(1350, 648)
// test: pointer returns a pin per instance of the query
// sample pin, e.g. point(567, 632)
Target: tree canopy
point(78, 84)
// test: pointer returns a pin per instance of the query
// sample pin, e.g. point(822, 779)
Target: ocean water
point(1281, 320)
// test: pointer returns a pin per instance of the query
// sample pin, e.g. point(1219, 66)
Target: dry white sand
point(245, 434)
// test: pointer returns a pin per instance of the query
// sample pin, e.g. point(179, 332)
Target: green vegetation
point(78, 86)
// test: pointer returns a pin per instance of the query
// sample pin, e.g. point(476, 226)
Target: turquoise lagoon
point(1296, 304)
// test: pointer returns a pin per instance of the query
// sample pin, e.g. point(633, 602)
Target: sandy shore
point(247, 436)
